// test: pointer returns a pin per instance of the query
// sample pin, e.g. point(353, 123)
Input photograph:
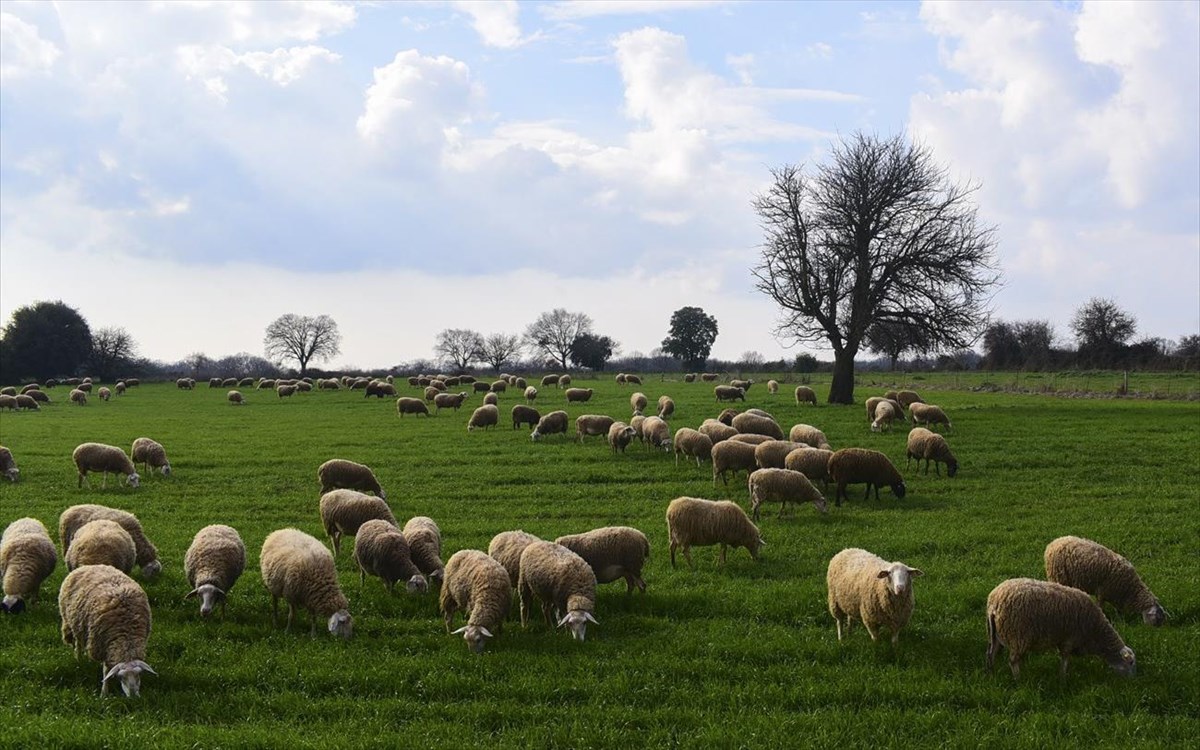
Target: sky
point(190, 170)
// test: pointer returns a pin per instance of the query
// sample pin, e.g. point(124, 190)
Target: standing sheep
point(866, 587)
point(924, 444)
point(592, 424)
point(74, 518)
point(27, 557)
point(564, 381)
point(381, 550)
point(1090, 566)
point(491, 399)
point(885, 414)
point(928, 414)
point(550, 379)
point(235, 398)
point(729, 393)
point(344, 511)
point(782, 486)
point(449, 400)
point(809, 435)
point(656, 433)
point(743, 384)
point(716, 430)
point(637, 402)
point(484, 417)
point(873, 403)
point(104, 394)
point(908, 398)
point(425, 546)
point(772, 454)
point(478, 585)
point(632, 379)
point(8, 467)
point(805, 395)
point(755, 424)
point(106, 613)
point(692, 521)
point(151, 455)
point(102, 542)
point(76, 396)
point(620, 435)
point(522, 414)
point(811, 462)
point(104, 459)
point(692, 444)
point(549, 424)
point(286, 391)
point(409, 405)
point(772, 387)
point(863, 466)
point(666, 407)
point(690, 377)
point(613, 552)
point(530, 394)
point(559, 579)
point(297, 568)
point(578, 395)
point(27, 402)
point(213, 563)
point(732, 456)
point(506, 547)
point(338, 473)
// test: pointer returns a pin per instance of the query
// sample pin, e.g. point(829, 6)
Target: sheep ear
point(915, 573)
point(884, 574)
point(192, 594)
point(145, 667)
point(486, 632)
point(563, 621)
point(460, 630)
point(108, 675)
point(588, 615)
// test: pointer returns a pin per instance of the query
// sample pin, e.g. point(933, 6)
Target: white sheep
point(695, 522)
point(527, 415)
point(656, 433)
point(751, 439)
point(338, 473)
point(559, 579)
point(592, 424)
point(620, 435)
point(772, 387)
point(811, 462)
point(76, 396)
point(73, 519)
point(732, 456)
point(106, 614)
point(484, 417)
point(477, 584)
point(425, 546)
point(873, 403)
point(756, 424)
point(151, 454)
point(409, 405)
point(771, 454)
point(8, 467)
point(550, 424)
point(805, 395)
point(729, 393)
point(613, 552)
point(449, 400)
point(344, 511)
point(866, 587)
point(717, 430)
point(213, 563)
point(235, 398)
point(578, 395)
point(1090, 566)
point(564, 381)
point(27, 558)
point(782, 486)
point(809, 435)
point(531, 394)
point(105, 459)
point(381, 550)
point(666, 407)
point(507, 546)
point(692, 444)
point(297, 568)
point(102, 542)
point(885, 413)
point(637, 402)
point(491, 399)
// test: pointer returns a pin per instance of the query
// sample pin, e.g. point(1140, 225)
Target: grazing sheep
point(928, 414)
point(185, 384)
point(480, 586)
point(338, 473)
point(751, 439)
point(782, 486)
point(689, 377)
point(104, 394)
point(409, 405)
point(636, 422)
point(229, 383)
point(692, 444)
point(874, 402)
point(285, 391)
point(592, 424)
point(866, 587)
point(425, 546)
point(8, 467)
point(809, 435)
point(297, 568)
point(151, 455)
point(42, 398)
point(500, 386)
point(214, 382)
point(530, 394)
point(579, 395)
point(213, 563)
point(101, 542)
point(559, 579)
point(692, 521)
point(466, 379)
point(805, 395)
point(268, 383)
point(620, 435)
point(481, 387)
point(329, 384)
point(811, 462)
point(520, 384)
point(26, 402)
point(106, 613)
point(743, 384)
point(1090, 566)
point(119, 387)
point(75, 517)
point(771, 454)
point(637, 402)
point(104, 459)
point(924, 444)
point(708, 377)
point(85, 387)
point(506, 548)
point(716, 430)
point(76, 396)
point(344, 511)
point(755, 424)
point(620, 378)
point(885, 413)
point(864, 466)
point(772, 387)
point(549, 424)
point(726, 416)
point(729, 393)
point(656, 433)
point(449, 400)
point(1025, 615)
point(666, 407)
point(491, 399)
point(732, 456)
point(27, 557)
point(430, 393)
point(8, 392)
point(613, 552)
point(565, 380)
point(438, 384)
point(908, 398)
point(484, 417)
point(550, 379)
point(632, 379)
point(381, 550)
point(522, 414)
point(305, 387)
point(891, 395)
point(379, 389)
point(236, 398)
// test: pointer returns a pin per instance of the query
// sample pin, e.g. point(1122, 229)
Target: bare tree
point(893, 339)
point(112, 350)
point(302, 338)
point(459, 347)
point(553, 333)
point(499, 349)
point(878, 235)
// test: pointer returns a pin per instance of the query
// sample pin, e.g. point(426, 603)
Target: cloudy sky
point(193, 170)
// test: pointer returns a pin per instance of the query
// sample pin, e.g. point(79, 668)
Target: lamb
point(620, 435)
point(717, 431)
point(506, 548)
point(522, 414)
point(885, 413)
point(805, 395)
point(782, 486)
point(729, 393)
point(106, 613)
point(866, 587)
point(861, 465)
point(409, 405)
point(743, 384)
point(809, 435)
point(1090, 566)
point(637, 402)
point(76, 396)
point(564, 381)
point(74, 518)
point(344, 511)
point(338, 473)
point(105, 459)
point(928, 414)
point(613, 552)
point(484, 417)
point(908, 398)
point(478, 585)
point(772, 387)
point(297, 568)
point(531, 394)
point(732, 456)
point(666, 407)
point(692, 444)
point(491, 398)
point(27, 557)
point(771, 454)
point(755, 424)
point(449, 400)
point(811, 462)
point(561, 580)
point(1025, 615)
point(235, 398)
point(592, 424)
point(579, 395)
point(549, 424)
point(924, 444)
point(692, 521)
point(656, 433)
point(425, 546)
point(381, 550)
point(27, 402)
point(8, 467)
point(102, 542)
point(213, 563)
point(151, 454)
point(104, 394)
point(550, 379)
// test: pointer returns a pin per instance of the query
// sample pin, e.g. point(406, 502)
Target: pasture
point(740, 656)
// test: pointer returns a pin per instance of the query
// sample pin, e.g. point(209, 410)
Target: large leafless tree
point(459, 347)
point(302, 338)
point(553, 333)
point(112, 349)
point(500, 349)
point(879, 234)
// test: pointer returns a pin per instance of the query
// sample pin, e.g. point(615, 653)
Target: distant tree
point(303, 339)
point(893, 339)
point(113, 352)
point(553, 333)
point(1188, 346)
point(43, 340)
point(245, 364)
point(499, 349)
point(1101, 329)
point(200, 365)
point(805, 362)
point(691, 337)
point(1036, 338)
point(751, 361)
point(1001, 347)
point(592, 351)
point(459, 347)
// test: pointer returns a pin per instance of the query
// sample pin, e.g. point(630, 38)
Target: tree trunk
point(841, 390)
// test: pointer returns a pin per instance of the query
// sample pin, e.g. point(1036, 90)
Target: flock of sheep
point(105, 613)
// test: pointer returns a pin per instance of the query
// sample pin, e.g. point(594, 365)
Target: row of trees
point(51, 338)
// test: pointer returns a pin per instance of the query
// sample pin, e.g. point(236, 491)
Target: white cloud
point(743, 66)
point(570, 10)
point(280, 66)
point(820, 51)
point(496, 21)
point(25, 52)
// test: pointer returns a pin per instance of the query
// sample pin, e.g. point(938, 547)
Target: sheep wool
point(449, 400)
point(885, 414)
point(561, 580)
point(592, 424)
point(525, 415)
point(76, 396)
point(151, 454)
point(531, 394)
point(507, 546)
point(782, 486)
point(729, 393)
point(908, 398)
point(864, 466)
point(756, 424)
point(338, 473)
point(579, 395)
point(732, 456)
point(613, 552)
point(214, 561)
point(8, 467)
point(695, 522)
point(298, 569)
point(105, 459)
point(106, 614)
point(478, 585)
point(381, 550)
point(863, 586)
point(771, 454)
point(874, 402)
point(409, 405)
point(637, 402)
point(235, 398)
point(102, 542)
point(344, 511)
point(928, 445)
point(620, 435)
point(425, 546)
point(1090, 566)
point(805, 395)
point(484, 417)
point(811, 462)
point(75, 517)
point(717, 430)
point(809, 435)
point(692, 444)
point(27, 557)
point(656, 433)
point(550, 424)
point(666, 407)
point(928, 414)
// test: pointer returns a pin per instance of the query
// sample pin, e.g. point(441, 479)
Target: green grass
point(744, 655)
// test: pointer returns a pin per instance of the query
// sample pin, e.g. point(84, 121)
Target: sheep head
point(417, 584)
point(899, 578)
point(1123, 662)
point(475, 635)
point(130, 675)
point(341, 624)
point(209, 595)
point(576, 621)
point(151, 570)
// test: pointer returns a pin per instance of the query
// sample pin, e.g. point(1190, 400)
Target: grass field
point(740, 656)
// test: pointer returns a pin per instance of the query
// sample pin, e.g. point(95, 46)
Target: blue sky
point(191, 171)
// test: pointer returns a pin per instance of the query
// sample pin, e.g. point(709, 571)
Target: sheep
point(101, 542)
point(755, 424)
point(425, 546)
point(772, 387)
point(409, 405)
point(632, 379)
point(27, 557)
point(620, 435)
point(9, 391)
point(689, 377)
point(656, 433)
point(329, 384)
point(480, 586)
point(481, 387)
point(549, 424)
point(522, 414)
point(304, 387)
point(26, 402)
point(928, 414)
point(805, 395)
point(338, 473)
point(561, 580)
point(214, 561)
point(235, 398)
point(449, 400)
point(229, 383)
point(866, 587)
point(214, 382)
point(772, 454)
point(782, 486)
point(908, 398)
point(531, 394)
point(520, 383)
point(885, 413)
point(891, 395)
point(285, 391)
point(245, 382)
point(105, 459)
point(491, 399)
point(732, 456)
point(861, 465)
point(185, 384)
point(379, 389)
point(500, 386)
point(1025, 615)
point(151, 454)
point(106, 613)
point(666, 407)
point(729, 393)
point(637, 402)
point(484, 417)
point(579, 395)
point(612, 552)
point(726, 416)
point(751, 439)
point(550, 379)
point(104, 394)
point(1090, 566)
point(381, 550)
point(873, 403)
point(466, 379)
point(506, 548)
point(565, 380)
point(717, 431)
point(119, 387)
point(692, 521)
point(74, 518)
point(76, 396)
point(85, 387)
point(620, 378)
point(592, 424)
point(924, 444)
point(811, 462)
point(297, 568)
point(430, 393)
point(343, 511)
point(708, 377)
point(692, 444)
point(8, 466)
point(438, 384)
point(759, 412)
point(809, 435)
point(743, 384)
point(636, 422)
point(268, 383)
point(42, 398)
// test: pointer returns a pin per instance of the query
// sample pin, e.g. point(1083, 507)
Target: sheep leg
point(937, 467)
point(546, 614)
point(526, 603)
point(895, 638)
point(1064, 661)
point(274, 611)
point(841, 491)
point(104, 482)
point(782, 507)
point(871, 631)
point(291, 615)
point(103, 683)
point(723, 548)
point(687, 555)
point(673, 546)
point(868, 495)
point(1014, 663)
point(312, 631)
